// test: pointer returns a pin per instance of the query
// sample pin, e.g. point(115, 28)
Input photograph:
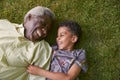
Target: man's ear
point(74, 39)
point(29, 16)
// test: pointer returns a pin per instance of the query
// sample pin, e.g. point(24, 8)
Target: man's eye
point(44, 24)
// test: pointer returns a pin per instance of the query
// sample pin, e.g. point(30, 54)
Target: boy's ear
point(74, 39)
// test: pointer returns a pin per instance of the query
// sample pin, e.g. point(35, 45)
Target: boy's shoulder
point(80, 50)
point(54, 47)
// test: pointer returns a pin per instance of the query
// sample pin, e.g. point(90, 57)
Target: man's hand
point(33, 69)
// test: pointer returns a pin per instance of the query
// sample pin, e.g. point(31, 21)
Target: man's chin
point(37, 40)
point(33, 39)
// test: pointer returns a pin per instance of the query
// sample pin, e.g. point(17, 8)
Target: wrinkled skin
point(36, 28)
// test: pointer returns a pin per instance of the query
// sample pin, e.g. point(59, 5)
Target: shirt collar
point(21, 29)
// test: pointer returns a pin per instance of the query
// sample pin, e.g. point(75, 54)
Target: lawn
point(100, 22)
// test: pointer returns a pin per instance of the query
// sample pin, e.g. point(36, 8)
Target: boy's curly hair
point(73, 26)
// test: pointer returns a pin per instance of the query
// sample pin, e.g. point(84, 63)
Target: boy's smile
point(65, 39)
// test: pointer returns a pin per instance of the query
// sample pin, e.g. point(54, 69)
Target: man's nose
point(44, 31)
point(39, 33)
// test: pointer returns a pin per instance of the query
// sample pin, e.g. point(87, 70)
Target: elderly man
point(21, 45)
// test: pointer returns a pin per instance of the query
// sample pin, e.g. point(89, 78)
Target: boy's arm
point(71, 75)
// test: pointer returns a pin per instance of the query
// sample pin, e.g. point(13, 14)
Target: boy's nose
point(58, 38)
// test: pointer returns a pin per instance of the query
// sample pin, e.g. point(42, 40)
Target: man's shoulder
point(6, 24)
point(4, 21)
point(43, 42)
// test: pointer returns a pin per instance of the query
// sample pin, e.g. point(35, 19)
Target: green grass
point(100, 22)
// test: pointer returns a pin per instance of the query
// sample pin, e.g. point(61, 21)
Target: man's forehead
point(42, 18)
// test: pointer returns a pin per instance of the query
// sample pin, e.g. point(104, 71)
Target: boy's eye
point(61, 35)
